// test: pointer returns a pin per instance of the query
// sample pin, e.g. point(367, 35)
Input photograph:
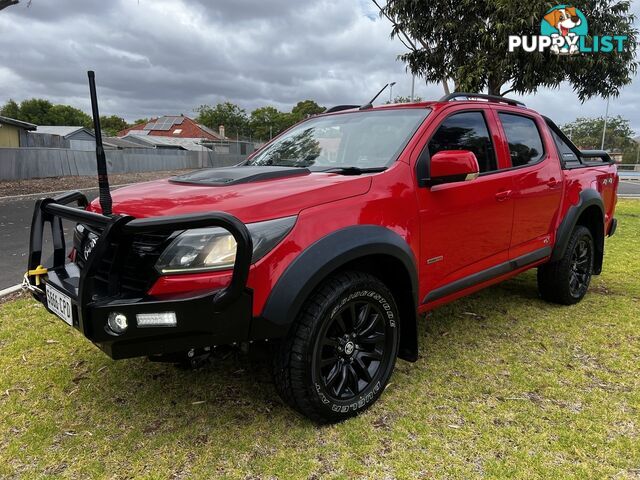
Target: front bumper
point(205, 319)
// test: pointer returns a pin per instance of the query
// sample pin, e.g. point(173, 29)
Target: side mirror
point(449, 166)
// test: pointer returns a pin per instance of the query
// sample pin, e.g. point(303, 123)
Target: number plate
point(60, 304)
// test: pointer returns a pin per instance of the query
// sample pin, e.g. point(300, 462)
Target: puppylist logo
point(564, 30)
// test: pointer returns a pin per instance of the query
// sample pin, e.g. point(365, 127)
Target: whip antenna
point(369, 105)
point(101, 159)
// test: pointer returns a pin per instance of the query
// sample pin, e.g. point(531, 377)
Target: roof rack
point(491, 98)
point(339, 108)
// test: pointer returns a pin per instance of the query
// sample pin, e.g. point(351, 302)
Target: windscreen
point(363, 139)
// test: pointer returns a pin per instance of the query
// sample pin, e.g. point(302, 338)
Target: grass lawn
point(507, 386)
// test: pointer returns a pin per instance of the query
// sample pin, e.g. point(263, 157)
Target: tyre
point(340, 352)
point(566, 280)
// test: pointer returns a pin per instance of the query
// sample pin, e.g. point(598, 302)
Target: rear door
point(538, 181)
point(465, 226)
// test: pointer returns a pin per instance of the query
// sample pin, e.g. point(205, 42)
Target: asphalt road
point(15, 221)
point(629, 188)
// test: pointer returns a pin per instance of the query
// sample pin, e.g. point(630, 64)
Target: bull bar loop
point(54, 210)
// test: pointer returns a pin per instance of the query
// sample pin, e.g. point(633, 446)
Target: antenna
point(368, 105)
point(101, 159)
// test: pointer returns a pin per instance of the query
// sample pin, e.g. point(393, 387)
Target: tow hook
point(38, 273)
point(191, 359)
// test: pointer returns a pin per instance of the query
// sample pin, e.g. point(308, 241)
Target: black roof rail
point(339, 108)
point(491, 98)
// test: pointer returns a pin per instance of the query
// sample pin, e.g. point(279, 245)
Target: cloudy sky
point(155, 57)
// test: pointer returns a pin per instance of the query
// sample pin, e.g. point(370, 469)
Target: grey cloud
point(169, 56)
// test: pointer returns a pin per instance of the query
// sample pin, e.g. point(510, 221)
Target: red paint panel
point(454, 230)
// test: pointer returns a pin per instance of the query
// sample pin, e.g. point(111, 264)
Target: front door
point(465, 226)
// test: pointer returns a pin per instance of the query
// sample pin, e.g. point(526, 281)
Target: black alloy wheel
point(340, 352)
point(580, 274)
point(352, 348)
point(567, 279)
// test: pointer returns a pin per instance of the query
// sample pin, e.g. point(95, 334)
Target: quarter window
point(523, 136)
point(466, 131)
point(568, 156)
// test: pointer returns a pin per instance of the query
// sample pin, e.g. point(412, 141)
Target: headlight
point(207, 249)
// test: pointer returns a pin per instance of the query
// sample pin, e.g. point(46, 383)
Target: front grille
point(138, 272)
point(127, 267)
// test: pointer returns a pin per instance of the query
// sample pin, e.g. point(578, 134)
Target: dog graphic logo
point(564, 31)
point(564, 24)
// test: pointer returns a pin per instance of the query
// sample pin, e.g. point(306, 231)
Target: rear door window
point(466, 131)
point(523, 137)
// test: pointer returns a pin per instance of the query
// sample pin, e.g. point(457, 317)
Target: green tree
point(304, 109)
point(10, 109)
point(35, 110)
point(233, 118)
point(467, 41)
point(112, 125)
point(140, 120)
point(586, 133)
point(42, 112)
point(401, 99)
point(67, 115)
point(266, 122)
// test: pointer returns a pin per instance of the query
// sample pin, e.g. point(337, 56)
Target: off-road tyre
point(566, 280)
point(338, 355)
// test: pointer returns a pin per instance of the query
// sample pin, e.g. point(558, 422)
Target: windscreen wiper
point(353, 170)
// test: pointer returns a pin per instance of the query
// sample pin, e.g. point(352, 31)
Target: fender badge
point(434, 259)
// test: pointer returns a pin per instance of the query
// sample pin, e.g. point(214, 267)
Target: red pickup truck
point(330, 240)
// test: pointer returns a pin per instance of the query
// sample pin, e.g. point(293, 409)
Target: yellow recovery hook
point(37, 272)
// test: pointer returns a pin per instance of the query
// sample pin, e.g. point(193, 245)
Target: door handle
point(553, 183)
point(502, 196)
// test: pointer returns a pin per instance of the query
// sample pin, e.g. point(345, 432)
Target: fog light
point(117, 323)
point(161, 319)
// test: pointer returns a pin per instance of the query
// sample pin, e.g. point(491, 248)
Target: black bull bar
point(204, 319)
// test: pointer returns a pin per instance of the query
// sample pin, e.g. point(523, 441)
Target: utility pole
point(604, 127)
point(413, 85)
point(391, 91)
